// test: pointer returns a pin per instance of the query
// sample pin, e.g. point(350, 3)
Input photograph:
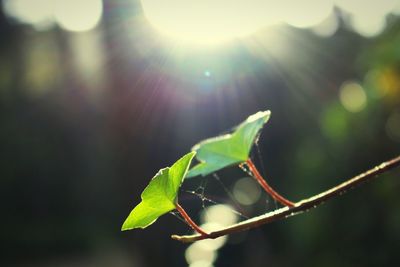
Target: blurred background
point(96, 96)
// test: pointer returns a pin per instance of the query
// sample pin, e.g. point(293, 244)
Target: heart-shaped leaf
point(160, 196)
point(222, 151)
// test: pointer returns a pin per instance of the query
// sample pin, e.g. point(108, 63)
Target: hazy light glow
point(328, 27)
point(72, 15)
point(212, 244)
point(396, 9)
point(368, 17)
point(39, 13)
point(208, 21)
point(307, 13)
point(221, 214)
point(215, 21)
point(353, 97)
point(75, 15)
point(368, 8)
point(214, 218)
point(246, 191)
point(88, 57)
point(201, 264)
point(196, 253)
point(369, 26)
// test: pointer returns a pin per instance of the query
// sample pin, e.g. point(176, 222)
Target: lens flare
point(328, 27)
point(307, 13)
point(352, 96)
point(196, 253)
point(208, 21)
point(246, 191)
point(78, 16)
point(38, 14)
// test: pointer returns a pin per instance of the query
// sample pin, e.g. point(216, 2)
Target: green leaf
point(160, 196)
point(222, 151)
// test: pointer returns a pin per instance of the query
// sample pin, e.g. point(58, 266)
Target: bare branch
point(299, 207)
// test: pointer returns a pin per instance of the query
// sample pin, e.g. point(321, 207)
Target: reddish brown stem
point(275, 195)
point(190, 222)
point(301, 206)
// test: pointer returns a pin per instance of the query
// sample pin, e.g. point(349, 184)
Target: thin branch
point(299, 207)
point(190, 222)
point(267, 188)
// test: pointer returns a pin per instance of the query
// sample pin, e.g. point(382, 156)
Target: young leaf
point(160, 196)
point(222, 151)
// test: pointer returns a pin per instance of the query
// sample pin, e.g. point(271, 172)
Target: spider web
point(264, 174)
point(205, 193)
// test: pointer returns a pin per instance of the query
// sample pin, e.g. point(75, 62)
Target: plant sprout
point(161, 195)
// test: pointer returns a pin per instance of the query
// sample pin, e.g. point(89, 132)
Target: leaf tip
point(191, 154)
point(125, 226)
point(261, 114)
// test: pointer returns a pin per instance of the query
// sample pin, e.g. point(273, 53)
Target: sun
point(206, 21)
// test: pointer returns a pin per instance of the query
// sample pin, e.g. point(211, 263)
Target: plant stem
point(299, 207)
point(190, 222)
point(275, 195)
